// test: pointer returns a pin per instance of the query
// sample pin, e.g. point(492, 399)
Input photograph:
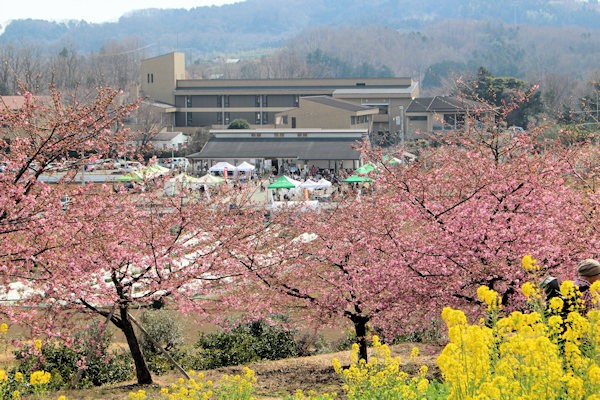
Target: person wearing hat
point(588, 272)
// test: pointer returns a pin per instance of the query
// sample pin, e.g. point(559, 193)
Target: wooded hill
point(253, 24)
point(555, 43)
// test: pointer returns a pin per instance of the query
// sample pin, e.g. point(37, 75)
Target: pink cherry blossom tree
point(106, 251)
point(428, 233)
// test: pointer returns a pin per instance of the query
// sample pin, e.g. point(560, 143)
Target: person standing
point(588, 272)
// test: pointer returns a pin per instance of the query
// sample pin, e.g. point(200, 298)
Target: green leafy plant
point(243, 344)
point(101, 366)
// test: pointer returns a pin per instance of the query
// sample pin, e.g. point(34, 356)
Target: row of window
point(225, 118)
point(279, 134)
point(359, 119)
point(223, 100)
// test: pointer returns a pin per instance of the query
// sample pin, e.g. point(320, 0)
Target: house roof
point(301, 148)
point(438, 104)
point(338, 103)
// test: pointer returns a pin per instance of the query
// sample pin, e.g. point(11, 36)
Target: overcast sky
point(91, 11)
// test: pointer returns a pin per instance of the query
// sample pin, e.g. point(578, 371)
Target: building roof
point(338, 103)
point(301, 148)
point(296, 86)
point(406, 89)
point(16, 102)
point(439, 104)
point(166, 135)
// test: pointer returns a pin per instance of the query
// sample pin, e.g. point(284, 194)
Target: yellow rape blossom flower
point(3, 328)
point(556, 305)
point(18, 377)
point(38, 344)
point(139, 395)
point(489, 297)
point(530, 291)
point(595, 293)
point(414, 353)
point(529, 263)
point(3, 376)
point(16, 395)
point(39, 378)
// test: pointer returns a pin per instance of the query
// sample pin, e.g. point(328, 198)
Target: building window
point(188, 119)
point(296, 100)
point(148, 78)
point(257, 119)
point(293, 122)
point(284, 119)
point(223, 101)
point(264, 100)
point(219, 118)
point(188, 101)
point(265, 117)
point(257, 101)
point(417, 118)
point(353, 120)
point(453, 121)
point(151, 78)
point(227, 118)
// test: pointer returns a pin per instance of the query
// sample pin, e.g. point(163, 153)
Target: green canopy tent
point(283, 182)
point(357, 178)
point(148, 172)
point(391, 160)
point(365, 169)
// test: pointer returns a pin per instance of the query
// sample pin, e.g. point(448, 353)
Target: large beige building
point(215, 103)
point(327, 112)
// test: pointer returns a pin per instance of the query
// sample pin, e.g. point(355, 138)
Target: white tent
point(181, 181)
point(221, 166)
point(309, 184)
point(323, 184)
point(209, 179)
point(245, 167)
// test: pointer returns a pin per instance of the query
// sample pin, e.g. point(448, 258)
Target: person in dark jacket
point(588, 272)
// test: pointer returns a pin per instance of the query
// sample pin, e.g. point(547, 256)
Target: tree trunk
point(142, 371)
point(360, 328)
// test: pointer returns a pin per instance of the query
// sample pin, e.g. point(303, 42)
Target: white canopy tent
point(245, 167)
point(309, 184)
point(323, 184)
point(221, 167)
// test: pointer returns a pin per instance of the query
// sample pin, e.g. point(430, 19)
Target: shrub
point(163, 330)
point(243, 344)
point(64, 362)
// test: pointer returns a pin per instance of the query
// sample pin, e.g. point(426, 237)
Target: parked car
point(516, 130)
point(130, 166)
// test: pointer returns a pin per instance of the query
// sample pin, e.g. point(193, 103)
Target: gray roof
point(337, 103)
point(301, 148)
point(439, 104)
